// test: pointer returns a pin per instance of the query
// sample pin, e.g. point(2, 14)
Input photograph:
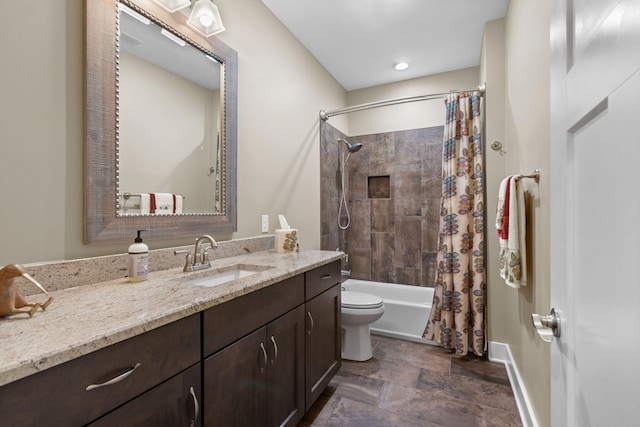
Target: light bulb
point(206, 20)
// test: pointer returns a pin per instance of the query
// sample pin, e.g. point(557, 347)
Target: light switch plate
point(265, 223)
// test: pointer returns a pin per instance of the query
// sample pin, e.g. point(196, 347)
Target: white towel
point(513, 254)
point(164, 203)
point(145, 203)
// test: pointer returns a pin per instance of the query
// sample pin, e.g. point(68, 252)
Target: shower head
point(351, 147)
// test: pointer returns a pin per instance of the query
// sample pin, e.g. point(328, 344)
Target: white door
point(595, 212)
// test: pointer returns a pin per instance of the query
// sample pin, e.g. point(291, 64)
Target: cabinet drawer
point(58, 396)
point(322, 278)
point(230, 321)
point(175, 402)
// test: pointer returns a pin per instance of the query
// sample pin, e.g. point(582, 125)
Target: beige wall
point(281, 90)
point(492, 71)
point(34, 128)
point(412, 115)
point(527, 145)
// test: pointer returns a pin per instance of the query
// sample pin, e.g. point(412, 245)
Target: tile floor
point(408, 384)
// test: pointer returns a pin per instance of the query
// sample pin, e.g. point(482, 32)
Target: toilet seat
point(357, 300)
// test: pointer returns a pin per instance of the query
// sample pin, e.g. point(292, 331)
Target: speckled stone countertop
point(84, 319)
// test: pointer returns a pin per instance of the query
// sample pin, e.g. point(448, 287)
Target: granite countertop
point(84, 319)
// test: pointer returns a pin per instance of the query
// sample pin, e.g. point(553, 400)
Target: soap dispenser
point(138, 260)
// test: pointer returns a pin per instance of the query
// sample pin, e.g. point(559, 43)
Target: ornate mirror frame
point(102, 224)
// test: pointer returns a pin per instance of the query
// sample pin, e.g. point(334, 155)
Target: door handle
point(113, 380)
point(264, 354)
point(547, 326)
point(275, 350)
point(311, 323)
point(196, 407)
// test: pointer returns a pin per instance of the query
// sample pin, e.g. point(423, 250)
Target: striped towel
point(513, 249)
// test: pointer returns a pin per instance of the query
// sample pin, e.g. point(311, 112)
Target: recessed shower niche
point(379, 187)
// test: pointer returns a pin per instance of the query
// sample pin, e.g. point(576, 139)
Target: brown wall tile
point(408, 242)
point(382, 255)
point(392, 239)
point(382, 216)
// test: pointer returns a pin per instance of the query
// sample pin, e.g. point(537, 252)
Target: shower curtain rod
point(324, 115)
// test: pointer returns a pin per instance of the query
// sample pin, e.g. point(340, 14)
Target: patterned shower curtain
point(457, 319)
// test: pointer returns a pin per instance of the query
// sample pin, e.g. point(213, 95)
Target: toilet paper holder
point(547, 327)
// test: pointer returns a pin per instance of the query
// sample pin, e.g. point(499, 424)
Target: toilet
point(358, 312)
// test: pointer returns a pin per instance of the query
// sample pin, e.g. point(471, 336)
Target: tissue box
point(287, 241)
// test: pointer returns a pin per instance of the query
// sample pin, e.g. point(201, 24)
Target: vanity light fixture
point(401, 66)
point(174, 5)
point(134, 14)
point(177, 40)
point(205, 18)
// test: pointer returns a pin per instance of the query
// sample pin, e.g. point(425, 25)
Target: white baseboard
point(499, 352)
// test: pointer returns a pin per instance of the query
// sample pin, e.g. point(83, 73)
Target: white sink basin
point(226, 274)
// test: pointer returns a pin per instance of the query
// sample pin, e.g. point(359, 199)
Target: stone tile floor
point(409, 384)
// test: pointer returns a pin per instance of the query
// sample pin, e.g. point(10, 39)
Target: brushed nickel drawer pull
point(196, 407)
point(325, 276)
point(275, 350)
point(113, 380)
point(264, 353)
point(311, 323)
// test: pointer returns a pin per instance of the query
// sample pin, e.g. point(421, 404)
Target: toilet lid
point(359, 300)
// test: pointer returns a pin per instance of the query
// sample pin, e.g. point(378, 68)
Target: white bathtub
point(406, 308)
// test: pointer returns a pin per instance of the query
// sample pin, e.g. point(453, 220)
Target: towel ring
point(497, 146)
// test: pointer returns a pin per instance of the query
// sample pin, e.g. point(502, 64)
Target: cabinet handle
point(275, 350)
point(325, 277)
point(264, 353)
point(113, 380)
point(196, 407)
point(311, 323)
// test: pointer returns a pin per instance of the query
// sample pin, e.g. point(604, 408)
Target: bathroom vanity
point(256, 351)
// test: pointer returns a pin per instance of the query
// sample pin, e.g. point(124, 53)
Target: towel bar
point(535, 175)
point(126, 196)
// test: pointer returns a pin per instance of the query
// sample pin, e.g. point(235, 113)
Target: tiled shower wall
point(394, 187)
point(332, 237)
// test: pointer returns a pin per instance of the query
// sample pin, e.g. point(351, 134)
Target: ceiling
point(360, 41)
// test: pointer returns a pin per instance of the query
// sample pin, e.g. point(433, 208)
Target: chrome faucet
point(199, 260)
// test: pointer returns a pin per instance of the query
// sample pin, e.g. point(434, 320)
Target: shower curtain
point(457, 318)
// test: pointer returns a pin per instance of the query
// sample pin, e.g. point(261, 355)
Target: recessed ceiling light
point(402, 66)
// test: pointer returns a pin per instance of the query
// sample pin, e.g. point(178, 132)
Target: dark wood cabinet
point(260, 359)
point(323, 340)
point(175, 402)
point(258, 380)
point(84, 389)
point(234, 384)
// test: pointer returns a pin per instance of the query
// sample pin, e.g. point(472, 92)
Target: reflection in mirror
point(169, 142)
point(132, 127)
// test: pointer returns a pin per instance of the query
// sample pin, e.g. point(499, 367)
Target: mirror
point(143, 110)
point(169, 107)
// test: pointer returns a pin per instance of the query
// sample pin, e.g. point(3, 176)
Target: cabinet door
point(235, 383)
point(285, 373)
point(175, 402)
point(323, 338)
point(70, 394)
